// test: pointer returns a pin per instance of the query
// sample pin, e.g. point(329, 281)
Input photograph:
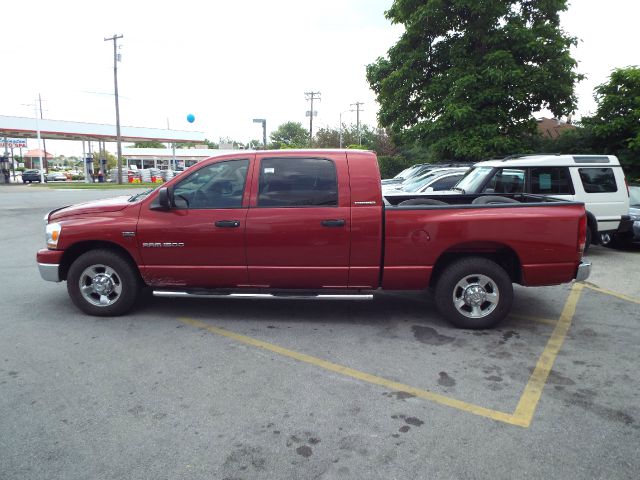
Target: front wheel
point(474, 293)
point(103, 283)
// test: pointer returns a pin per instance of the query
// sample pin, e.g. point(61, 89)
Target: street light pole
point(263, 121)
point(115, 83)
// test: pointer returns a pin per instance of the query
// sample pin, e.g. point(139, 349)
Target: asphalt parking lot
point(253, 389)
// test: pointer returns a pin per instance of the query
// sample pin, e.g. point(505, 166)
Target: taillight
point(627, 185)
point(582, 234)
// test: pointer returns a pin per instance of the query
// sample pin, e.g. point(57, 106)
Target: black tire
point(474, 279)
point(111, 282)
point(587, 242)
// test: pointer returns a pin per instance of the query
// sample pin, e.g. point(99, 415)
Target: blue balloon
point(191, 118)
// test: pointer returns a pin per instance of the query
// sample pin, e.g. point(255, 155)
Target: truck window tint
point(551, 180)
point(506, 180)
point(297, 182)
point(219, 185)
point(598, 180)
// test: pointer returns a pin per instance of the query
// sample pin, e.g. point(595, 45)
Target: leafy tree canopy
point(150, 144)
point(615, 127)
point(466, 75)
point(289, 135)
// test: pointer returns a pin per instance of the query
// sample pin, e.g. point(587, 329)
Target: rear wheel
point(474, 293)
point(103, 283)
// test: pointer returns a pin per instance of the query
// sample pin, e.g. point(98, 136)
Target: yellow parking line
point(533, 391)
point(362, 376)
point(528, 318)
point(527, 404)
point(621, 296)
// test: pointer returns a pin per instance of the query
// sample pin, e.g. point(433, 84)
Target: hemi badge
point(128, 234)
point(364, 203)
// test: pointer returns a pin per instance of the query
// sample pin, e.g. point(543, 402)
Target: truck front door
point(298, 226)
point(200, 242)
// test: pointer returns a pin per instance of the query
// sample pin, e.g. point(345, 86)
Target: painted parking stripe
point(621, 296)
point(527, 404)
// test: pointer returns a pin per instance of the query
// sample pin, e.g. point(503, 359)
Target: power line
point(311, 96)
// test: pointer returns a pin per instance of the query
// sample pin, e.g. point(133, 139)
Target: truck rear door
point(298, 224)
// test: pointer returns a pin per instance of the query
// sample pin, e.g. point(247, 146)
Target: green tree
point(112, 161)
point(615, 127)
point(289, 135)
point(466, 75)
point(208, 143)
point(150, 144)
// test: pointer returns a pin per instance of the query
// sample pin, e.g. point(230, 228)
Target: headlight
point(53, 234)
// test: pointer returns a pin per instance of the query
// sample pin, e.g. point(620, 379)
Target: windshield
point(475, 177)
point(634, 196)
point(141, 195)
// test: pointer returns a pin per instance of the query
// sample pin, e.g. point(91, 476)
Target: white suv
point(596, 180)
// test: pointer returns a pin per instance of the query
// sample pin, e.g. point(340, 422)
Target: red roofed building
point(32, 157)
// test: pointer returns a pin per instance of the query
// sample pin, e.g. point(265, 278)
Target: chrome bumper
point(584, 269)
point(49, 272)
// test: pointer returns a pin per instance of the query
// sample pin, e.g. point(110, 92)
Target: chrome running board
point(271, 296)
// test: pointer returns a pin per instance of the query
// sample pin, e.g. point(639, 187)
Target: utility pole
point(311, 96)
point(357, 105)
point(44, 142)
point(114, 39)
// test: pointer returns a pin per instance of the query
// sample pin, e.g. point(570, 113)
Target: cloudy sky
point(227, 62)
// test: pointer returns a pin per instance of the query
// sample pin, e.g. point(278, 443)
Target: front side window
point(551, 181)
point(297, 182)
point(219, 185)
point(598, 180)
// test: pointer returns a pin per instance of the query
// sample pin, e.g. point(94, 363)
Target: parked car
point(315, 223)
point(29, 176)
point(633, 235)
point(596, 180)
point(55, 177)
point(414, 183)
point(438, 180)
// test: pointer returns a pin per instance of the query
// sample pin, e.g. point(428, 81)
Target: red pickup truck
point(310, 222)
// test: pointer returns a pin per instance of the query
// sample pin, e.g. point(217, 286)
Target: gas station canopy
point(25, 127)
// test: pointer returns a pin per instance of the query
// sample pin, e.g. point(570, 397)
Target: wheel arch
point(501, 254)
point(77, 249)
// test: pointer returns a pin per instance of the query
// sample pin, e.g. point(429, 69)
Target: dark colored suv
point(29, 176)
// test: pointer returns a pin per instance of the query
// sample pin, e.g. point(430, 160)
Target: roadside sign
point(13, 143)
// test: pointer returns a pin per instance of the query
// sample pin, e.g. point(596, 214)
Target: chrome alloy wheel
point(100, 285)
point(476, 296)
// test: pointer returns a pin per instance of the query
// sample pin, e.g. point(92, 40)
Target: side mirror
point(429, 189)
point(163, 198)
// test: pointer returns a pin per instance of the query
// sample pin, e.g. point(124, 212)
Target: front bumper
point(49, 264)
point(49, 272)
point(583, 271)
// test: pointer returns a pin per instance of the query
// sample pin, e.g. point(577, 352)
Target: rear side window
point(551, 181)
point(297, 182)
point(598, 180)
